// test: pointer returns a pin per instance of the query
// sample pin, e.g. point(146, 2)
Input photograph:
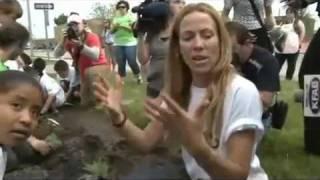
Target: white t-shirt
point(72, 77)
point(292, 41)
point(13, 65)
point(3, 162)
point(52, 87)
point(242, 110)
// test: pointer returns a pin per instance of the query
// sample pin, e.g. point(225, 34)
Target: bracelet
point(123, 121)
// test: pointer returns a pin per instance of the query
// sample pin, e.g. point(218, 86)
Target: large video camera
point(71, 33)
point(152, 16)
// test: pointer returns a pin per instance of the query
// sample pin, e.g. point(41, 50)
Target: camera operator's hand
point(64, 38)
point(76, 42)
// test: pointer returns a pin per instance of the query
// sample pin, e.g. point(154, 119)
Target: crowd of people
point(211, 82)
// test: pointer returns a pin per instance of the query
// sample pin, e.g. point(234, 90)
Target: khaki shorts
point(90, 75)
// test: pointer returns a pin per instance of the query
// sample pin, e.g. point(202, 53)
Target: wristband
point(123, 121)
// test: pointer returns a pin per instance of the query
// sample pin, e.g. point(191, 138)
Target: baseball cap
point(74, 18)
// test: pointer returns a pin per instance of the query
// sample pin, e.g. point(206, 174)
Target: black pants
point(263, 39)
point(291, 61)
point(152, 92)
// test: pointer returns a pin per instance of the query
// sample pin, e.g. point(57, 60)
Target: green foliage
point(134, 96)
point(61, 19)
point(99, 168)
point(282, 152)
point(102, 11)
point(54, 141)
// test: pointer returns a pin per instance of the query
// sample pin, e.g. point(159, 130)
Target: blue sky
point(84, 7)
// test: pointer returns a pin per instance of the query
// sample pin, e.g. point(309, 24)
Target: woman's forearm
point(134, 136)
point(218, 167)
point(141, 139)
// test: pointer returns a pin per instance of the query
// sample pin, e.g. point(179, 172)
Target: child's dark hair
point(11, 7)
point(61, 65)
point(122, 2)
point(12, 33)
point(39, 65)
point(26, 59)
point(11, 79)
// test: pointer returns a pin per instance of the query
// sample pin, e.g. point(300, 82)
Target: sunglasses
point(179, 2)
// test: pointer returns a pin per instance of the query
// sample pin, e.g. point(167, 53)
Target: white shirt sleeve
point(246, 112)
point(3, 162)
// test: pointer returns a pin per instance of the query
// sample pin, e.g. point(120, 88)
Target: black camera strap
point(257, 14)
point(258, 17)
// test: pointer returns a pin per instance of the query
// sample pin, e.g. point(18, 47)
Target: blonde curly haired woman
point(214, 113)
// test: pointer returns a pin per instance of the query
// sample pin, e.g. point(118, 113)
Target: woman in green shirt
point(13, 39)
point(124, 40)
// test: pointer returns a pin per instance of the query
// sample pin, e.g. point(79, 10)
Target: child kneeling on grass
point(55, 96)
point(21, 99)
point(69, 81)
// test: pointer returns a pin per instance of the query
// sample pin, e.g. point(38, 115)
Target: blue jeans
point(124, 54)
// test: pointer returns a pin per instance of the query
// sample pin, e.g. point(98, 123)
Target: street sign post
point(45, 7)
point(42, 6)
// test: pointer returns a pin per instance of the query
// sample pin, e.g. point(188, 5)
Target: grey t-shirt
point(244, 14)
point(159, 48)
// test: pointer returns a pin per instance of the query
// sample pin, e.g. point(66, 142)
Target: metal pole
point(30, 27)
point(46, 30)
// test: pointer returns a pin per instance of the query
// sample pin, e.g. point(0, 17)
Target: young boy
point(69, 80)
point(21, 98)
point(54, 93)
point(13, 38)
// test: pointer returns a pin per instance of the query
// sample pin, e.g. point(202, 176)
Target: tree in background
point(61, 19)
point(102, 11)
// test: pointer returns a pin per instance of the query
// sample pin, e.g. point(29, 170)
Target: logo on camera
point(314, 95)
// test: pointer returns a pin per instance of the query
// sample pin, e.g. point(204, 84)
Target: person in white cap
point(87, 53)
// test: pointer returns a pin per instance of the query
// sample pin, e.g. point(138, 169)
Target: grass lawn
point(282, 152)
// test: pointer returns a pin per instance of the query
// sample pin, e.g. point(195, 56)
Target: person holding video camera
point(153, 42)
point(87, 53)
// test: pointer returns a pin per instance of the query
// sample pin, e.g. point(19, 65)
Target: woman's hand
point(110, 97)
point(189, 128)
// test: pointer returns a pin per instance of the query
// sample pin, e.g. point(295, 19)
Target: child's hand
point(40, 146)
point(76, 94)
